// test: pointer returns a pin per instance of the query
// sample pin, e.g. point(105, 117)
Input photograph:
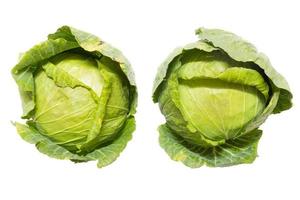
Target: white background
point(146, 32)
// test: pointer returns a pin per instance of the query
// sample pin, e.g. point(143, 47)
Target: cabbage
point(214, 94)
point(78, 95)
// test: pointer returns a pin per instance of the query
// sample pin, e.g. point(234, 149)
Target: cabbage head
point(78, 96)
point(214, 94)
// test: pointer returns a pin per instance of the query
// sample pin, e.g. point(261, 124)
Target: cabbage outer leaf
point(105, 155)
point(237, 151)
point(241, 50)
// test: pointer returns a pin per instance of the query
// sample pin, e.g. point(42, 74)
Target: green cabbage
point(79, 97)
point(214, 94)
